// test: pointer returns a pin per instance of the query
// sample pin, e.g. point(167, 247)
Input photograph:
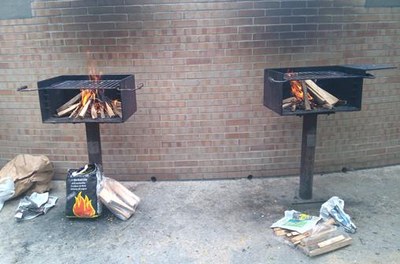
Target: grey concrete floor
point(224, 221)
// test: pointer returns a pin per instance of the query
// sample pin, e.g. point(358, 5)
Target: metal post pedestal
point(308, 144)
point(93, 142)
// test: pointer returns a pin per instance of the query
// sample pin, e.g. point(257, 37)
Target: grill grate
point(318, 75)
point(87, 84)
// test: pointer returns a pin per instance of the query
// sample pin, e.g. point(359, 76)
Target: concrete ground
point(224, 221)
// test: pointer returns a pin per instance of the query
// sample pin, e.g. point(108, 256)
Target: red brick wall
point(200, 114)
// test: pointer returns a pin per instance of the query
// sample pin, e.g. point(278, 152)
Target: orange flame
point(297, 90)
point(83, 206)
point(86, 94)
point(95, 76)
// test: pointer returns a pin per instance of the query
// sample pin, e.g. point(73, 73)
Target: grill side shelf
point(322, 75)
point(326, 72)
point(318, 75)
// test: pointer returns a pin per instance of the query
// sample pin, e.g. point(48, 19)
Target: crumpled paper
point(34, 205)
point(334, 208)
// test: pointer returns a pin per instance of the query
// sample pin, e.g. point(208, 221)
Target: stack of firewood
point(307, 95)
point(118, 199)
point(322, 239)
point(90, 104)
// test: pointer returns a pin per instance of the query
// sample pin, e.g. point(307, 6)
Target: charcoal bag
point(83, 187)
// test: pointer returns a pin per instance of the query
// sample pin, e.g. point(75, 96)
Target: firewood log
point(68, 109)
point(75, 112)
point(118, 198)
point(109, 111)
point(93, 111)
point(116, 108)
point(82, 113)
point(288, 100)
point(102, 115)
point(329, 98)
point(305, 96)
point(69, 103)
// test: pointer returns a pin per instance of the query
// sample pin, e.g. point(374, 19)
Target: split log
point(285, 105)
point(289, 100)
point(329, 98)
point(67, 110)
point(297, 239)
point(318, 251)
point(75, 112)
point(82, 113)
point(116, 106)
point(305, 96)
point(119, 208)
point(93, 111)
point(102, 115)
point(69, 103)
point(292, 234)
point(130, 198)
point(331, 241)
point(341, 102)
point(109, 110)
point(319, 99)
point(117, 103)
point(280, 232)
point(118, 112)
point(327, 106)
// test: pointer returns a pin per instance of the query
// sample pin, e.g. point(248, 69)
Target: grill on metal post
point(344, 82)
point(55, 92)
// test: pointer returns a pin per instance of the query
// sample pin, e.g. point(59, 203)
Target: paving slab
point(214, 221)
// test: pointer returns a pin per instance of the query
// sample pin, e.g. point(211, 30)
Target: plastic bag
point(334, 208)
point(83, 186)
point(118, 199)
point(7, 190)
point(34, 205)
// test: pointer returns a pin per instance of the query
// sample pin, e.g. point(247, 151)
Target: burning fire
point(83, 206)
point(92, 103)
point(87, 94)
point(297, 90)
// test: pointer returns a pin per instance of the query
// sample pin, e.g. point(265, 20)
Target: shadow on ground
point(225, 221)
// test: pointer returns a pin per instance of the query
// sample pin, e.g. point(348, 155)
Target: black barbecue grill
point(344, 82)
point(55, 92)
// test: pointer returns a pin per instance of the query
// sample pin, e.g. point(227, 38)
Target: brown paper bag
point(30, 173)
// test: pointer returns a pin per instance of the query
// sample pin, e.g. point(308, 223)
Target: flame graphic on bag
point(83, 206)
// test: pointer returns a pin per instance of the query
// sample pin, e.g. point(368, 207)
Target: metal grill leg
point(93, 142)
point(308, 143)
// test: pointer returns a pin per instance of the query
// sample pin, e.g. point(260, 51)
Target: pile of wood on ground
point(323, 238)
